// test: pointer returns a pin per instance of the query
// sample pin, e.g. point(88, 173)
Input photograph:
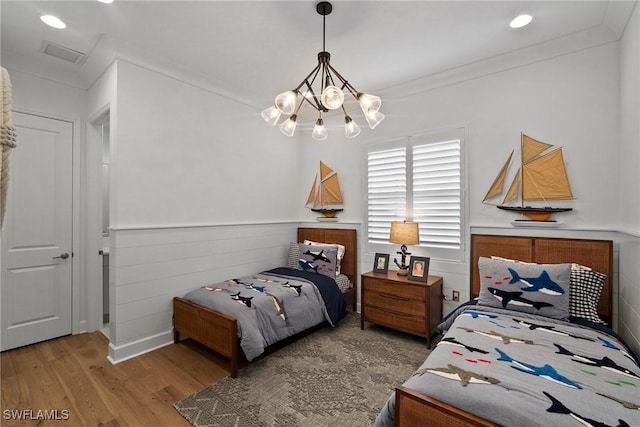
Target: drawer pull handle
point(395, 313)
point(396, 297)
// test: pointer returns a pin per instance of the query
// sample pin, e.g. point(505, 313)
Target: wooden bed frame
point(416, 409)
point(218, 331)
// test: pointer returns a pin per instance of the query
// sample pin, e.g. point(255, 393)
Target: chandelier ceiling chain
point(331, 96)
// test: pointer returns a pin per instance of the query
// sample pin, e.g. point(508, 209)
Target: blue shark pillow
point(541, 289)
point(318, 259)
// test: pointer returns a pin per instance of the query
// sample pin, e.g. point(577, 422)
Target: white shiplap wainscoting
point(149, 266)
point(629, 294)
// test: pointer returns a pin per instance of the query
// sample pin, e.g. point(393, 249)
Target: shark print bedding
point(516, 369)
point(273, 305)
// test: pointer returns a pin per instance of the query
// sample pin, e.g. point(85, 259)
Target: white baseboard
point(120, 353)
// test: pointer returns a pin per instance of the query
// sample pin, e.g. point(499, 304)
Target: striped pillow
point(294, 256)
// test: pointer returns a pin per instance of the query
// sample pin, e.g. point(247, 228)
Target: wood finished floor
point(72, 373)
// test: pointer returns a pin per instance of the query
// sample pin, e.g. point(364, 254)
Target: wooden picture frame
point(381, 263)
point(419, 268)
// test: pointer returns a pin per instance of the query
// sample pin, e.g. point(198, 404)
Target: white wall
point(570, 100)
point(199, 193)
point(629, 203)
point(184, 155)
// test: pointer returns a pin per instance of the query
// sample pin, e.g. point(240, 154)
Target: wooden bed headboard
point(597, 254)
point(343, 236)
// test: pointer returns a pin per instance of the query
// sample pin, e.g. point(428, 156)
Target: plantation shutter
point(386, 191)
point(437, 193)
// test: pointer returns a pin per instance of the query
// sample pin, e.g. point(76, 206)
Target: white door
point(37, 237)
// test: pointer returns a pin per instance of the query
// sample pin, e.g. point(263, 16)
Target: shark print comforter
point(518, 369)
point(273, 305)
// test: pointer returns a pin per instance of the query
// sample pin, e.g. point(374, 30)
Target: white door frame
point(78, 324)
point(93, 226)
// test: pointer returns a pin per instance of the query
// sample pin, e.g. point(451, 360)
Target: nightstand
point(402, 304)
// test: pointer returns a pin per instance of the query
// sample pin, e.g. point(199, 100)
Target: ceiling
point(252, 50)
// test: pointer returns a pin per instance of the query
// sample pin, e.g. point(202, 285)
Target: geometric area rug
point(333, 377)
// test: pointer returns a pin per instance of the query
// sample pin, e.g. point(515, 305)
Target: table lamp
point(405, 233)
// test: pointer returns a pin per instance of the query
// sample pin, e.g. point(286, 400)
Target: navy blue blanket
point(333, 298)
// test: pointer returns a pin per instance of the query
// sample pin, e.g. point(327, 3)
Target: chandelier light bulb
point(374, 118)
point(288, 127)
point(271, 115)
point(286, 102)
point(351, 129)
point(319, 131)
point(332, 97)
point(369, 102)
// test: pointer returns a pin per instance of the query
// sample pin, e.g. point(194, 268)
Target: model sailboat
point(325, 192)
point(541, 177)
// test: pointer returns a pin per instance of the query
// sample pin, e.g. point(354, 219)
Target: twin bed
point(241, 317)
point(532, 349)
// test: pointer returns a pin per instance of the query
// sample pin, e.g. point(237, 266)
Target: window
point(418, 178)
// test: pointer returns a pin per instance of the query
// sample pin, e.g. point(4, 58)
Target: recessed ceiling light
point(520, 21)
point(53, 21)
point(105, 1)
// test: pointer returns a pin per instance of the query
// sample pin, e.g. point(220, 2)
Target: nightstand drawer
point(395, 303)
point(400, 290)
point(404, 322)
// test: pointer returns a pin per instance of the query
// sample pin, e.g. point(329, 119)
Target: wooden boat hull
point(535, 214)
point(328, 213)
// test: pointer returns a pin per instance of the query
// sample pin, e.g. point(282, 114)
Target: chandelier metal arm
point(295, 113)
point(329, 76)
point(344, 110)
point(315, 70)
point(315, 103)
point(345, 83)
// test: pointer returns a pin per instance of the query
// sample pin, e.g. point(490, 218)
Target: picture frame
point(419, 268)
point(381, 263)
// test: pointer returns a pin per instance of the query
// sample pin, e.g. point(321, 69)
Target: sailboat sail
point(541, 176)
point(498, 184)
point(312, 194)
point(512, 192)
point(545, 178)
point(325, 192)
point(531, 148)
point(331, 194)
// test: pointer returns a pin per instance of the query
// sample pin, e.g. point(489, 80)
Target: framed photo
point(419, 268)
point(381, 263)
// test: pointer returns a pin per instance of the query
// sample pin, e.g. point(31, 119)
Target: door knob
point(62, 256)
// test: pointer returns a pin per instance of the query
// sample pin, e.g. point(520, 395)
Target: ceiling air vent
point(62, 52)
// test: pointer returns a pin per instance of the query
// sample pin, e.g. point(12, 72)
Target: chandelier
point(329, 96)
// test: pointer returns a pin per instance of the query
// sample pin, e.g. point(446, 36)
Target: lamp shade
point(404, 233)
point(351, 129)
point(332, 97)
